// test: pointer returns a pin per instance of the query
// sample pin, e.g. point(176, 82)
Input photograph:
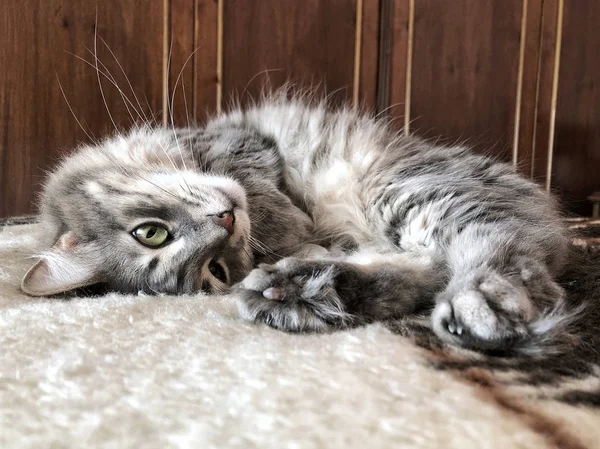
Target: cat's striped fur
point(352, 221)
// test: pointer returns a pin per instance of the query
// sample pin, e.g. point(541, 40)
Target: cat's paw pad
point(491, 314)
point(292, 295)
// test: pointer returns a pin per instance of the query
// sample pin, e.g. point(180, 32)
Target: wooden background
point(519, 79)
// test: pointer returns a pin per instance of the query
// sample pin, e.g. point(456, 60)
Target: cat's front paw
point(293, 295)
point(491, 312)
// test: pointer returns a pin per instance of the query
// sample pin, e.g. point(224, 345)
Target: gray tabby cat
point(324, 220)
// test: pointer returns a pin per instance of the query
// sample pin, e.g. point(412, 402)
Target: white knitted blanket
point(160, 372)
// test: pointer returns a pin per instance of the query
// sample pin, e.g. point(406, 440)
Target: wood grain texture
point(399, 16)
point(307, 42)
point(527, 107)
point(385, 56)
point(369, 55)
point(205, 59)
point(36, 124)
point(467, 81)
point(546, 80)
point(181, 60)
point(193, 65)
point(465, 72)
point(394, 59)
point(576, 161)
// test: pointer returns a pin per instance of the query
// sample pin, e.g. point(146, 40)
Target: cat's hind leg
point(501, 290)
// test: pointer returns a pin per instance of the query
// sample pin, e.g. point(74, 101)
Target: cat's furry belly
point(345, 208)
point(339, 209)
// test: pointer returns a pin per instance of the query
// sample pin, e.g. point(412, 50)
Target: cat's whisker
point(71, 109)
point(189, 131)
point(127, 172)
point(262, 72)
point(126, 99)
point(260, 217)
point(385, 110)
point(151, 289)
point(154, 116)
point(141, 109)
point(170, 113)
point(146, 121)
point(272, 257)
point(187, 113)
point(166, 153)
point(108, 75)
point(329, 96)
point(247, 253)
point(256, 246)
point(262, 247)
point(161, 188)
point(179, 76)
point(104, 75)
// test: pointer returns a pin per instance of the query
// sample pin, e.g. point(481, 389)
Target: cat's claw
point(454, 327)
point(488, 315)
point(451, 327)
point(274, 293)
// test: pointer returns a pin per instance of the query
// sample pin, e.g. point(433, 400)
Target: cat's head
point(131, 213)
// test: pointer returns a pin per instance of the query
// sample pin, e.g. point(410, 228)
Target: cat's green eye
point(151, 235)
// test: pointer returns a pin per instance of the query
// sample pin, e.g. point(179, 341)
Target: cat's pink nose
point(225, 220)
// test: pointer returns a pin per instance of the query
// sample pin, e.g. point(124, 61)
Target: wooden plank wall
point(39, 39)
point(575, 168)
point(518, 79)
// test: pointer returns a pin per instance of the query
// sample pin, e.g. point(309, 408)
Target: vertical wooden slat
point(396, 59)
point(307, 42)
point(384, 74)
point(409, 63)
point(220, 35)
point(465, 72)
point(357, 52)
point(519, 93)
point(35, 122)
point(367, 88)
point(576, 155)
point(194, 67)
point(166, 62)
point(553, 100)
point(546, 85)
point(528, 87)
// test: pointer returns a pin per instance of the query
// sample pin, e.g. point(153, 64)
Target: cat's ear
point(62, 269)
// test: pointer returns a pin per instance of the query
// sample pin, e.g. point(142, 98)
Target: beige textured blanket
point(159, 372)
